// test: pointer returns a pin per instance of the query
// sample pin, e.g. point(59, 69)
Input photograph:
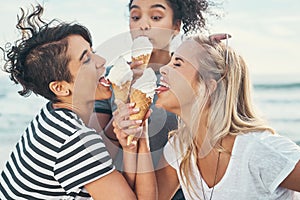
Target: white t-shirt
point(258, 164)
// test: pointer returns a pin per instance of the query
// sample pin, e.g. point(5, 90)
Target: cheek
point(162, 37)
point(182, 88)
point(102, 93)
point(86, 82)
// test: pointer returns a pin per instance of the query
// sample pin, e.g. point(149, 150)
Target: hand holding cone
point(143, 103)
point(141, 51)
point(142, 93)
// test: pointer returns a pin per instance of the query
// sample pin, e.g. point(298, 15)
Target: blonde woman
point(222, 149)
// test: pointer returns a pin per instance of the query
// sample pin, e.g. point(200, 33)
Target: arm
point(292, 181)
point(167, 180)
point(112, 186)
point(146, 186)
point(101, 122)
point(122, 130)
point(142, 166)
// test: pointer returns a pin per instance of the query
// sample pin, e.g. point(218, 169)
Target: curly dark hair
point(40, 57)
point(189, 12)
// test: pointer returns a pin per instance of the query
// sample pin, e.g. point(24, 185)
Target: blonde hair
point(230, 110)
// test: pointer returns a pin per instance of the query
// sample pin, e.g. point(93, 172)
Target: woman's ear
point(177, 26)
point(59, 88)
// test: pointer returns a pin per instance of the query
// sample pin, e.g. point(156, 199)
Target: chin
point(168, 103)
point(164, 105)
point(103, 93)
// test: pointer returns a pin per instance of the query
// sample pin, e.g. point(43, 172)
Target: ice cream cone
point(120, 77)
point(143, 103)
point(122, 92)
point(145, 58)
point(141, 51)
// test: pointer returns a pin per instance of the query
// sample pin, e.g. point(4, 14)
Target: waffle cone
point(145, 58)
point(143, 103)
point(122, 92)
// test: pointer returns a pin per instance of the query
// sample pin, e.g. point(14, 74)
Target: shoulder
point(265, 151)
point(266, 141)
point(64, 123)
point(270, 157)
point(173, 153)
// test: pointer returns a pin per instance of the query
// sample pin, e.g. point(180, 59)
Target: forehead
point(77, 44)
point(192, 52)
point(149, 3)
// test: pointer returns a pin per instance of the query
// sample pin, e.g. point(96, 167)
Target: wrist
point(144, 146)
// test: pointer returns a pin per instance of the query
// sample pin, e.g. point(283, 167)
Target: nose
point(163, 70)
point(144, 24)
point(99, 61)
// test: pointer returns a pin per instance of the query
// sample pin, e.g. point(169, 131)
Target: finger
point(129, 123)
point(149, 112)
point(136, 64)
point(136, 131)
point(124, 110)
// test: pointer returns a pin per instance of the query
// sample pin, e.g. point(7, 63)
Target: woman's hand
point(123, 126)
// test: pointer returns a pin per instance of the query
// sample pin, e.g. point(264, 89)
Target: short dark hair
point(39, 57)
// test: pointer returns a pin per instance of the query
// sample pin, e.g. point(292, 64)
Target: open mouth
point(103, 81)
point(162, 87)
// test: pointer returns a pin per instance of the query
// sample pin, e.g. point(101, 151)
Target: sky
point(263, 32)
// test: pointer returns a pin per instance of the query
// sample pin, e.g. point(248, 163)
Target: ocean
point(277, 97)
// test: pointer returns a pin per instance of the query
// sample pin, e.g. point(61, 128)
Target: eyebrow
point(153, 6)
point(178, 58)
point(158, 6)
point(82, 55)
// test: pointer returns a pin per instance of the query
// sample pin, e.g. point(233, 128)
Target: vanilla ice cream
point(141, 50)
point(120, 77)
point(120, 73)
point(146, 83)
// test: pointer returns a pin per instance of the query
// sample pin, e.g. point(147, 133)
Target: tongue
point(161, 89)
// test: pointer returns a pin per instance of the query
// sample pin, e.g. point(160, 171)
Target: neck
point(84, 111)
point(159, 58)
point(200, 127)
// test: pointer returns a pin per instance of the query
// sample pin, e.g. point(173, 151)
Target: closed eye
point(88, 59)
point(178, 61)
point(177, 64)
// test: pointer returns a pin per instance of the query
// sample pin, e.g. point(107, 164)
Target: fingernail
point(138, 121)
point(135, 109)
point(131, 104)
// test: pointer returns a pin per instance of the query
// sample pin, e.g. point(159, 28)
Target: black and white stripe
point(55, 157)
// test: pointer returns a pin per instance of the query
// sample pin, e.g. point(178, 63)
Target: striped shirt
point(55, 157)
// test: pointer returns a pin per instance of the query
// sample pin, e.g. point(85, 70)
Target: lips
point(103, 81)
point(162, 87)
